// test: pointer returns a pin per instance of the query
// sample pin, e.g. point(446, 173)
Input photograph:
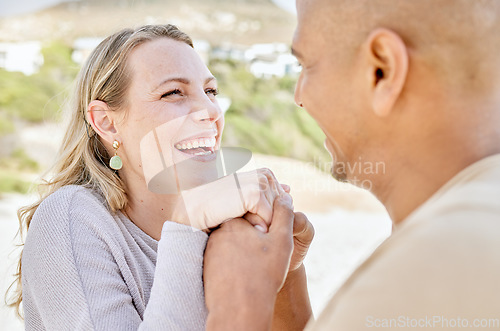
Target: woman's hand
point(232, 196)
point(258, 221)
point(259, 189)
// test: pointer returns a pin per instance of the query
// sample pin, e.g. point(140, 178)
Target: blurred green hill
point(38, 97)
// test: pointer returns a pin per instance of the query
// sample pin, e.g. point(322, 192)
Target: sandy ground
point(9, 255)
point(349, 224)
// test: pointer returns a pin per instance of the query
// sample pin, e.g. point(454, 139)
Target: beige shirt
point(439, 269)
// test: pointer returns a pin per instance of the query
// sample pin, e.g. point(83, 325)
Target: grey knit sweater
point(86, 269)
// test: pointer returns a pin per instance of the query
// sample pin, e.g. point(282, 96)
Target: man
point(416, 85)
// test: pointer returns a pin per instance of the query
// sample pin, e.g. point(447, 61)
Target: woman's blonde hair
point(82, 158)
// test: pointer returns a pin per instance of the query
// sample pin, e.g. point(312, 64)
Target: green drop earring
point(116, 162)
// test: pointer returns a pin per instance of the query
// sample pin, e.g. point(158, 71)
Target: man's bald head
point(457, 37)
point(413, 83)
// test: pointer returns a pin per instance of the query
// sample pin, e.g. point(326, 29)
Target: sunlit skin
point(379, 98)
point(168, 81)
point(315, 80)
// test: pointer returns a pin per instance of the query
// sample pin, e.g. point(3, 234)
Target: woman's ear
point(99, 115)
point(387, 57)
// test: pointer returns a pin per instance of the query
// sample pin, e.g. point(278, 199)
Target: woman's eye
point(173, 92)
point(212, 91)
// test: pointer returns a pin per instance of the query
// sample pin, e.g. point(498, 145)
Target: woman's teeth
point(203, 153)
point(198, 143)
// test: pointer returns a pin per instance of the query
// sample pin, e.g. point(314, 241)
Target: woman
point(93, 258)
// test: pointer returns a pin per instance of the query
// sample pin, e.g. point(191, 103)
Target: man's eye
point(176, 91)
point(212, 91)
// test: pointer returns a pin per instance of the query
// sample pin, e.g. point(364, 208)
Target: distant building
point(25, 57)
point(264, 60)
point(229, 52)
point(260, 50)
point(274, 66)
point(82, 47)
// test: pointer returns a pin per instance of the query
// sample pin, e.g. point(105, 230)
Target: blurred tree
point(38, 97)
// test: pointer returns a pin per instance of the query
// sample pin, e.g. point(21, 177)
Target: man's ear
point(387, 57)
point(99, 117)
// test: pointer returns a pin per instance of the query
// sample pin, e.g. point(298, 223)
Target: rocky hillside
point(236, 21)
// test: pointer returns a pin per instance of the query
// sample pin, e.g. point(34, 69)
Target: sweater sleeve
point(54, 297)
point(177, 297)
point(72, 279)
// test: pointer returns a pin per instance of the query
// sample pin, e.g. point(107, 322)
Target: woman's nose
point(207, 111)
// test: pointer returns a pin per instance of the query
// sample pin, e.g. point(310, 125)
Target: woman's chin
point(196, 170)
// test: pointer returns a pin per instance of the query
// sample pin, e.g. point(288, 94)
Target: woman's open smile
point(200, 147)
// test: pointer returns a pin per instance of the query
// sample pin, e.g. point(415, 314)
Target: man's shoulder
point(459, 245)
point(474, 194)
point(448, 265)
point(449, 242)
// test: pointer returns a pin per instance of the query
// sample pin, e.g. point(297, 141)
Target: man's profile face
point(326, 84)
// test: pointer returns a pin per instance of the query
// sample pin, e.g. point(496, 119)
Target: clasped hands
point(249, 258)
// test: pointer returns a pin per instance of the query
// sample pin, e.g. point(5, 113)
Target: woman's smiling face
point(171, 109)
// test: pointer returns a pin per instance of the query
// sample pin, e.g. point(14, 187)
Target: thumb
point(282, 214)
point(303, 230)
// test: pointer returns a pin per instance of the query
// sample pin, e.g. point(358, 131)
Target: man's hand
point(293, 310)
point(303, 234)
point(244, 270)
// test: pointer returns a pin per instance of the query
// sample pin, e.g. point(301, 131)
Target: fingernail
point(260, 228)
